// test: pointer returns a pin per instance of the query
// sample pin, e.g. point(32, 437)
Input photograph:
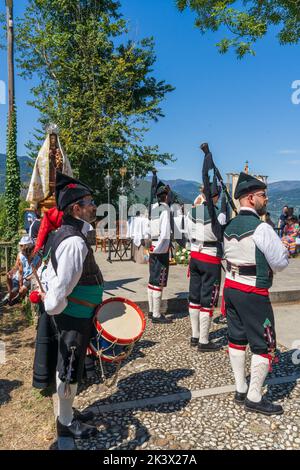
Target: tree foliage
point(13, 181)
point(95, 84)
point(246, 21)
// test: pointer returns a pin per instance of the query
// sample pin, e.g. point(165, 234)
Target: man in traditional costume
point(160, 227)
point(253, 252)
point(75, 290)
point(204, 270)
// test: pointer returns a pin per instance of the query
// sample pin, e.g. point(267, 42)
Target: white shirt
point(139, 230)
point(268, 242)
point(162, 245)
point(70, 256)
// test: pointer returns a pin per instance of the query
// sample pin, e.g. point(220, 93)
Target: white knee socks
point(194, 311)
point(238, 362)
point(259, 372)
point(150, 299)
point(157, 296)
point(205, 322)
point(64, 409)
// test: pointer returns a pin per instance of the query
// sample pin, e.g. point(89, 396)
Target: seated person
point(290, 233)
point(19, 277)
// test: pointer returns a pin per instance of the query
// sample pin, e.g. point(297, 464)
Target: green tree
point(13, 181)
point(246, 21)
point(94, 84)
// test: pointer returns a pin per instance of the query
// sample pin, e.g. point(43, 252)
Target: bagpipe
point(208, 167)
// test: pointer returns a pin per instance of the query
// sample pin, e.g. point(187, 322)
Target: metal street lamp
point(123, 172)
point(108, 184)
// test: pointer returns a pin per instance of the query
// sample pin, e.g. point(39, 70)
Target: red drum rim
point(112, 338)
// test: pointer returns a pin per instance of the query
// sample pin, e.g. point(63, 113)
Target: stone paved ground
point(163, 364)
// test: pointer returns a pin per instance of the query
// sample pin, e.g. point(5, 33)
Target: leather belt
point(207, 244)
point(85, 303)
point(241, 270)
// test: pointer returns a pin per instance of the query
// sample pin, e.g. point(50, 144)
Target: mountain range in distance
point(280, 193)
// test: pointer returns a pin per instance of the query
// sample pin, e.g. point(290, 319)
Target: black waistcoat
point(71, 227)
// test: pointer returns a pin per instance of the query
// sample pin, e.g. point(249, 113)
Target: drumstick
point(38, 279)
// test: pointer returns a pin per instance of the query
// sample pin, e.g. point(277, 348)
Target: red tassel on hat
point(51, 221)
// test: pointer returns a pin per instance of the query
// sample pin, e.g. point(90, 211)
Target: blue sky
point(242, 108)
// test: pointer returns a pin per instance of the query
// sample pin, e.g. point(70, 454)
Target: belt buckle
point(234, 270)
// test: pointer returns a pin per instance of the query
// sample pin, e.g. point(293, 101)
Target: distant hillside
point(189, 190)
point(25, 170)
point(185, 190)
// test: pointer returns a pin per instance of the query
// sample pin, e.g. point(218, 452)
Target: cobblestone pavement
point(163, 364)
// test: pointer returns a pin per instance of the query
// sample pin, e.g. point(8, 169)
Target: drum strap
point(82, 302)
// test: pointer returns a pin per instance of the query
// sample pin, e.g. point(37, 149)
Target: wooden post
point(10, 56)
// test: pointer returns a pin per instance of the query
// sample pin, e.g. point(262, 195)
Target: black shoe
point(209, 347)
point(264, 407)
point(14, 301)
point(240, 398)
point(83, 416)
point(194, 342)
point(4, 301)
point(150, 315)
point(161, 319)
point(77, 430)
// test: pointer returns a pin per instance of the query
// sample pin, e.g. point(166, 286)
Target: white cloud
point(294, 162)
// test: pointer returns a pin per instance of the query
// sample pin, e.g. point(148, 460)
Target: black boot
point(83, 416)
point(240, 398)
point(264, 407)
point(161, 319)
point(150, 315)
point(209, 347)
point(194, 342)
point(77, 430)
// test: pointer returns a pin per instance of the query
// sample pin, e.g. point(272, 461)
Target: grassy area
point(26, 415)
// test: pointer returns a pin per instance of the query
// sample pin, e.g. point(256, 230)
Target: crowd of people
point(289, 230)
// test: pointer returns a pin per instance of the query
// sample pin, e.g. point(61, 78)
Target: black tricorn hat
point(69, 190)
point(246, 184)
point(162, 189)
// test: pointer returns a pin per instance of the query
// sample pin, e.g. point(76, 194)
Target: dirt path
point(26, 417)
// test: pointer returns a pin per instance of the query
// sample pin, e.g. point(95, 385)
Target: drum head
point(121, 320)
